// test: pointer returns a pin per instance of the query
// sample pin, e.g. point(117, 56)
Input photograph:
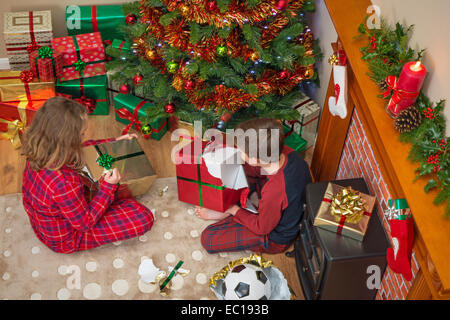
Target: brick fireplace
point(358, 160)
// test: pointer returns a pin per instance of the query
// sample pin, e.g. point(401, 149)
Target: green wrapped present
point(294, 141)
point(121, 45)
point(104, 19)
point(129, 109)
point(92, 92)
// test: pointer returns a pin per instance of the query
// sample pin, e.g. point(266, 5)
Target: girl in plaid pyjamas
point(56, 196)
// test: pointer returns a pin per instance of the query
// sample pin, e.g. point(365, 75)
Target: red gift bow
point(132, 117)
point(399, 95)
point(343, 218)
point(90, 104)
point(26, 77)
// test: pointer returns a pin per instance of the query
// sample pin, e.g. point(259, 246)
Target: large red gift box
point(83, 55)
point(196, 185)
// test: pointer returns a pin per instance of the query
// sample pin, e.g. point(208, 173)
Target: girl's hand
point(127, 136)
point(112, 176)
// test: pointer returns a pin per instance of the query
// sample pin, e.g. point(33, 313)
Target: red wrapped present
point(46, 64)
point(15, 116)
point(83, 55)
point(196, 184)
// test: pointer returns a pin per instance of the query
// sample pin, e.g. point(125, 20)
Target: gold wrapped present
point(127, 156)
point(22, 86)
point(345, 211)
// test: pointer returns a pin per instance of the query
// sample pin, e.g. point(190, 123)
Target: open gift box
point(127, 156)
point(209, 177)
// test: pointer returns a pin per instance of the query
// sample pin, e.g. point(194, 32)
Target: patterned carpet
point(29, 270)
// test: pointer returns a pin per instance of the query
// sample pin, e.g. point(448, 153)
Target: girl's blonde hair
point(54, 137)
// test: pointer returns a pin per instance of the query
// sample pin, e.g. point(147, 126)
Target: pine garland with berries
point(386, 53)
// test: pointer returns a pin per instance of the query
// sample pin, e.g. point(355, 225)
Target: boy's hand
point(127, 136)
point(112, 176)
point(233, 210)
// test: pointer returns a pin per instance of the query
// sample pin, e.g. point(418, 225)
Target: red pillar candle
point(407, 88)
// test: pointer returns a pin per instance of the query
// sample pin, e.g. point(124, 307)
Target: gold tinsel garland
point(237, 12)
point(176, 34)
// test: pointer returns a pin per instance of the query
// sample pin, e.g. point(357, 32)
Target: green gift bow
point(45, 53)
point(80, 66)
point(106, 161)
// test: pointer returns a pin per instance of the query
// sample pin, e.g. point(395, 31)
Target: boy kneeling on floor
point(277, 178)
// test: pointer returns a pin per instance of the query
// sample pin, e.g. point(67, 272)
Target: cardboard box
point(307, 124)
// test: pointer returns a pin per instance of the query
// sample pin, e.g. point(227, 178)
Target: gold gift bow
point(253, 259)
point(15, 126)
point(348, 203)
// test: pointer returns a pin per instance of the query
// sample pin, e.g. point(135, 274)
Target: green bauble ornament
point(222, 50)
point(146, 129)
point(172, 66)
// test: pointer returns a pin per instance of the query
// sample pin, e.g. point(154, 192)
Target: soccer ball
point(246, 282)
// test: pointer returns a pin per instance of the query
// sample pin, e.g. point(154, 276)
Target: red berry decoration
point(189, 85)
point(211, 6)
point(130, 19)
point(169, 108)
point(284, 75)
point(429, 113)
point(124, 89)
point(282, 4)
point(137, 79)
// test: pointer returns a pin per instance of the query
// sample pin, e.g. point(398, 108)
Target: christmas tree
point(219, 61)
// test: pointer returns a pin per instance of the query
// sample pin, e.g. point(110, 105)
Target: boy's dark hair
point(259, 146)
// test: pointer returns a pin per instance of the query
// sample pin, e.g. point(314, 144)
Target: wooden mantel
point(432, 245)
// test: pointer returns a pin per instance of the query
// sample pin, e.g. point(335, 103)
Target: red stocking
point(399, 256)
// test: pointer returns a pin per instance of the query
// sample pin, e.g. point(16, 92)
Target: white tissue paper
point(222, 163)
point(148, 271)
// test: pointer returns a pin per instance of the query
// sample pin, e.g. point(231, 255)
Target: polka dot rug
point(29, 270)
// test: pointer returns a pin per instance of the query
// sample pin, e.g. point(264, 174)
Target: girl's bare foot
point(207, 214)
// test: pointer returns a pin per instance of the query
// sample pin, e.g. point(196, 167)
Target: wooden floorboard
point(159, 154)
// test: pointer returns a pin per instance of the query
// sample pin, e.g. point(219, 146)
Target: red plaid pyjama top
point(66, 220)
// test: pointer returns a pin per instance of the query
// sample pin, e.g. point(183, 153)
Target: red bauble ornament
point(284, 75)
point(124, 89)
point(130, 19)
point(189, 85)
point(282, 4)
point(169, 108)
point(211, 6)
point(226, 117)
point(137, 79)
